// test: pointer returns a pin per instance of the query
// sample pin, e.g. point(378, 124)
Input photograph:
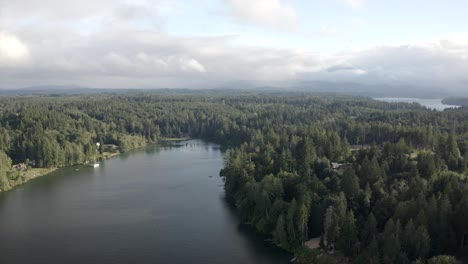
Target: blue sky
point(187, 43)
point(370, 23)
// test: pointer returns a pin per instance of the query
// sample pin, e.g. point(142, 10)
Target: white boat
point(95, 165)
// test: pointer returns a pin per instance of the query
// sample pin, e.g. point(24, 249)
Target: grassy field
point(36, 172)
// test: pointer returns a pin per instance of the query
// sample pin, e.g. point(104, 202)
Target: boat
point(94, 164)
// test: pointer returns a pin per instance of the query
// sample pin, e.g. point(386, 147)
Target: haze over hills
point(310, 86)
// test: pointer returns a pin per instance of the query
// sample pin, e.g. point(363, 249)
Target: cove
point(160, 204)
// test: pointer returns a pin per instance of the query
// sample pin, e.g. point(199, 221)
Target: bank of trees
point(380, 182)
point(460, 101)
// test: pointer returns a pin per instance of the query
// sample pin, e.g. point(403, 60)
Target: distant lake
point(429, 103)
point(159, 204)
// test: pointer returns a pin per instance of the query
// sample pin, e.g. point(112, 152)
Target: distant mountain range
point(377, 90)
point(59, 89)
point(384, 90)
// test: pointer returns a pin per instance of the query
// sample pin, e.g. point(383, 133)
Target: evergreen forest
point(374, 182)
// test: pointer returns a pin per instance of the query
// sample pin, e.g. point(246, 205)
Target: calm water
point(429, 103)
point(156, 205)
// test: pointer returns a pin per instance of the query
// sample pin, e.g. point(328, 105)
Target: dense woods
point(377, 182)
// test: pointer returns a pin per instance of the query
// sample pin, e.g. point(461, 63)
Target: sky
point(217, 43)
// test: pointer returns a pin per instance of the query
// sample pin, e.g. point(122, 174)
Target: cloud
point(426, 63)
point(55, 9)
point(132, 12)
point(355, 4)
point(154, 59)
point(328, 31)
point(346, 68)
point(54, 14)
point(192, 65)
point(272, 13)
point(122, 48)
point(12, 50)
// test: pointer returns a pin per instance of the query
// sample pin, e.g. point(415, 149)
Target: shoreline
point(34, 173)
point(39, 173)
point(175, 139)
point(26, 176)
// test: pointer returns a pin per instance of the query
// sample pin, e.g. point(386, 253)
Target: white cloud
point(152, 59)
point(457, 41)
point(359, 71)
point(12, 50)
point(355, 4)
point(192, 65)
point(273, 13)
point(119, 52)
point(326, 31)
point(55, 9)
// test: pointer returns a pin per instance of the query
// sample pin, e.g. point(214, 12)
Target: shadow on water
point(257, 242)
point(167, 211)
point(192, 143)
point(148, 149)
point(49, 182)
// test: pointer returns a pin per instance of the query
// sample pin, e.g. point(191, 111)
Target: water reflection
point(157, 204)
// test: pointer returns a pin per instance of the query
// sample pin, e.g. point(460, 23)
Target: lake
point(159, 204)
point(429, 103)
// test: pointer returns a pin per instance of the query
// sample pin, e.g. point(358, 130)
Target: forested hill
point(462, 101)
point(378, 182)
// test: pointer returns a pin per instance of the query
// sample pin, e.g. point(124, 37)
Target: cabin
point(110, 148)
point(20, 167)
point(339, 168)
point(313, 243)
point(336, 165)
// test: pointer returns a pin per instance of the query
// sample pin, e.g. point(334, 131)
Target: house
point(340, 168)
point(20, 167)
point(336, 165)
point(110, 148)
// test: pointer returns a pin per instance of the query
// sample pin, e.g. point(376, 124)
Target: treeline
point(379, 182)
point(461, 101)
point(399, 195)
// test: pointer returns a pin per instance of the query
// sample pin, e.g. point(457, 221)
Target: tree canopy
point(380, 182)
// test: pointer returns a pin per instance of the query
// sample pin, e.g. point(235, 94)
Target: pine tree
point(302, 222)
point(350, 184)
point(461, 216)
point(408, 239)
point(370, 255)
point(348, 235)
point(421, 243)
point(331, 227)
point(391, 243)
point(426, 165)
point(5, 165)
point(279, 234)
point(291, 223)
point(369, 230)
